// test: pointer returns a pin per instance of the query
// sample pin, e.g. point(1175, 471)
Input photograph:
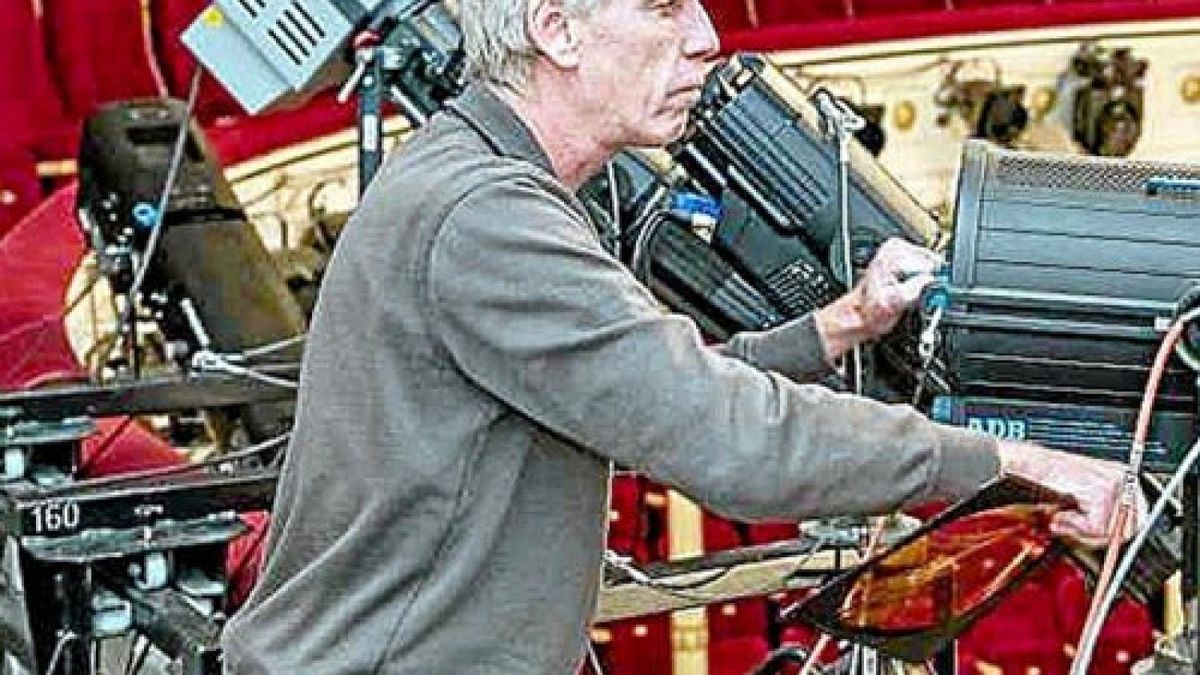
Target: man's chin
point(664, 133)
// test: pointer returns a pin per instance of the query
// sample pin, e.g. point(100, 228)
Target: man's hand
point(1094, 484)
point(892, 283)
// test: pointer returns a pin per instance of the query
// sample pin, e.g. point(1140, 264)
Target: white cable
point(625, 564)
point(842, 122)
point(217, 463)
point(272, 347)
point(205, 361)
point(63, 638)
point(252, 374)
point(252, 353)
point(595, 660)
point(616, 208)
point(650, 225)
point(693, 591)
point(639, 577)
point(1129, 491)
point(1087, 643)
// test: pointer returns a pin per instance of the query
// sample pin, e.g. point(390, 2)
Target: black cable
point(190, 467)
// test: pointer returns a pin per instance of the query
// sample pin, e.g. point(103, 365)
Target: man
point(476, 360)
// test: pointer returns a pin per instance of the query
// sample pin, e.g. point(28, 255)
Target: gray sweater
point(475, 361)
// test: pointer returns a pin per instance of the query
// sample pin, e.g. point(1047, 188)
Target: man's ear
point(554, 32)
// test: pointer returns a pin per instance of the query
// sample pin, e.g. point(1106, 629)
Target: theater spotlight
point(990, 109)
point(1109, 102)
point(872, 136)
point(274, 54)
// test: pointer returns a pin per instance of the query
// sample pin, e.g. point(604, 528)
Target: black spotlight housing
point(1002, 117)
point(1110, 104)
point(993, 111)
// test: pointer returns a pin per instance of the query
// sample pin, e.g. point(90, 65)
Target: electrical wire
point(683, 590)
point(82, 295)
point(648, 226)
point(615, 201)
point(133, 664)
point(593, 659)
point(247, 560)
point(252, 374)
point(272, 347)
point(208, 361)
point(282, 367)
point(222, 366)
point(238, 455)
point(825, 639)
point(1130, 486)
point(639, 576)
point(64, 637)
point(842, 130)
point(1091, 635)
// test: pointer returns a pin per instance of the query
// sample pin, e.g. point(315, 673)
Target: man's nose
point(700, 37)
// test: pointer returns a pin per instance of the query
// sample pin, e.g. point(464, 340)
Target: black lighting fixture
point(872, 136)
point(992, 110)
point(1110, 100)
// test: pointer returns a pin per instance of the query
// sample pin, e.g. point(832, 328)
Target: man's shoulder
point(448, 153)
point(459, 168)
point(447, 179)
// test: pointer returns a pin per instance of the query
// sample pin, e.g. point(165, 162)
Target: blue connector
point(936, 296)
point(1169, 185)
point(145, 216)
point(942, 409)
point(696, 208)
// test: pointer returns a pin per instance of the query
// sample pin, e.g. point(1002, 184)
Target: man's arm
point(533, 311)
point(794, 349)
point(806, 348)
point(892, 283)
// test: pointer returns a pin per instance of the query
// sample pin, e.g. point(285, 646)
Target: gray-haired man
point(476, 359)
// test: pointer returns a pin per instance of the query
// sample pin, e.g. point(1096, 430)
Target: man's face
point(642, 65)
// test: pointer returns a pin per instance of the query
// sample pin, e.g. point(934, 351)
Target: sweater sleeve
point(793, 349)
point(532, 310)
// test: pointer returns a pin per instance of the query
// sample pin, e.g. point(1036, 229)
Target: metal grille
point(1086, 173)
point(300, 23)
point(296, 33)
point(801, 287)
point(253, 7)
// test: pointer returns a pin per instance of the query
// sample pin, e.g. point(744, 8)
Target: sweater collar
point(499, 125)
